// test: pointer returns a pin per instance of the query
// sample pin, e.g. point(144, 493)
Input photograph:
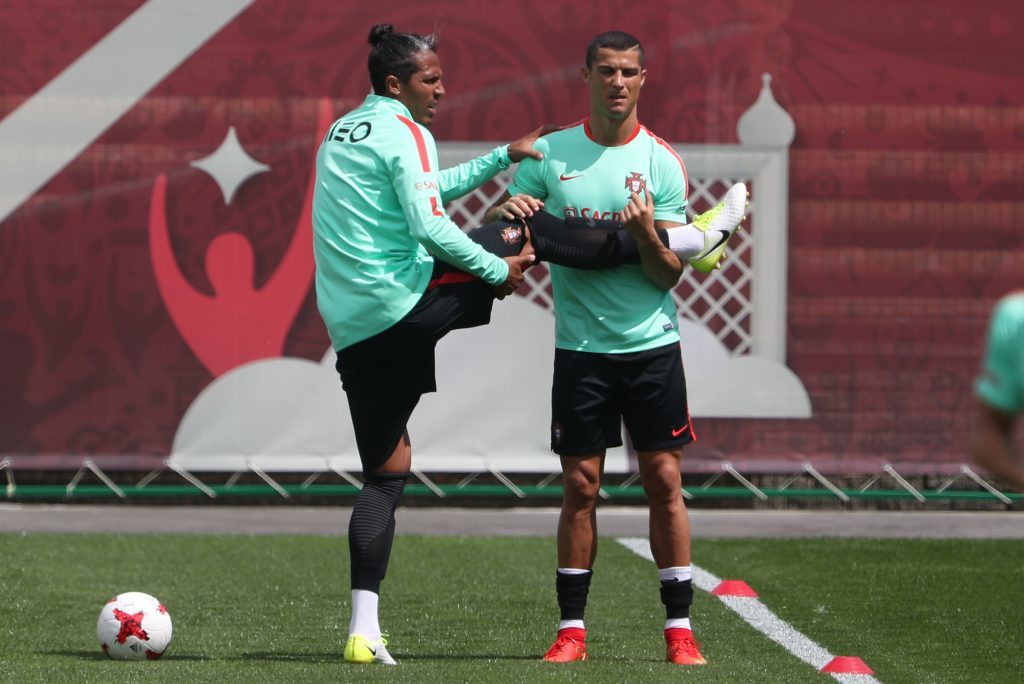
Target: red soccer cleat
point(683, 649)
point(569, 647)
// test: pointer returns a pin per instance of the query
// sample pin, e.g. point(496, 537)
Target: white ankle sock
point(566, 624)
point(364, 614)
point(679, 573)
point(686, 241)
point(677, 623)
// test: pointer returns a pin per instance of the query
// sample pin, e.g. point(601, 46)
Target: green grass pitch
point(482, 609)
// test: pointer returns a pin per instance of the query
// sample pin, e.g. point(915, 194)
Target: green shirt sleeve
point(670, 204)
point(1001, 382)
point(468, 176)
point(417, 186)
point(529, 178)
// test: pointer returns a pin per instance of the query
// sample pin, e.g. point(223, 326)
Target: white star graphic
point(230, 165)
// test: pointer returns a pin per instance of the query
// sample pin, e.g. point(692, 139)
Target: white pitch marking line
point(757, 615)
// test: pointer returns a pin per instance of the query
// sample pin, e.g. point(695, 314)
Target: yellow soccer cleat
point(718, 225)
point(362, 651)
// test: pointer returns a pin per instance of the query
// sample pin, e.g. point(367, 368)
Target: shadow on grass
point(99, 655)
point(336, 657)
point(81, 655)
point(472, 656)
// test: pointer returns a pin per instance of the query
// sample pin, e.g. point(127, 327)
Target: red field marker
point(847, 665)
point(734, 588)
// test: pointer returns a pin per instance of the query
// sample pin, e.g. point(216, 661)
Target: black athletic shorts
point(593, 394)
point(384, 375)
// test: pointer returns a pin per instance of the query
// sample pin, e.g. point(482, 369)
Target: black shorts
point(593, 394)
point(385, 375)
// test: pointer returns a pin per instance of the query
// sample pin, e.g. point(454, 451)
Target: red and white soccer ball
point(134, 626)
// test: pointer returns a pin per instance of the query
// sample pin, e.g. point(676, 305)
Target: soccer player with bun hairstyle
point(394, 275)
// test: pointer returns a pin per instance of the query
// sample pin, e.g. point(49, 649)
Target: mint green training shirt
point(378, 216)
point(1001, 383)
point(616, 310)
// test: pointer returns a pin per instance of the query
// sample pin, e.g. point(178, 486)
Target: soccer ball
point(134, 626)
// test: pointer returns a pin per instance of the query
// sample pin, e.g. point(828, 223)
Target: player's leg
point(383, 378)
point(670, 546)
point(658, 422)
point(591, 244)
point(594, 244)
point(371, 532)
point(577, 548)
point(582, 427)
point(566, 242)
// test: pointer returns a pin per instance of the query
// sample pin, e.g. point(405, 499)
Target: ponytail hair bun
point(379, 32)
point(395, 54)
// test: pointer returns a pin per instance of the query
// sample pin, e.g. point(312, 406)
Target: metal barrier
point(468, 487)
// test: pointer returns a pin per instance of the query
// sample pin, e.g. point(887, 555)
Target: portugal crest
point(635, 182)
point(512, 235)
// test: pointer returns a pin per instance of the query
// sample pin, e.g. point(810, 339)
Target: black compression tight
point(576, 243)
point(371, 529)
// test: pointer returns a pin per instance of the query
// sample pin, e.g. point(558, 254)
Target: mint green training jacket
point(1001, 382)
point(378, 217)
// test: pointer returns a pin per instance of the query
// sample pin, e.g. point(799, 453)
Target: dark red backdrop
point(905, 211)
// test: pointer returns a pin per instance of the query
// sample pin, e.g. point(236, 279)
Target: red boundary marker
point(734, 588)
point(847, 665)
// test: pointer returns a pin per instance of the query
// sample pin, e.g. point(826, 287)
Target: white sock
point(364, 615)
point(679, 573)
point(677, 623)
point(573, 571)
point(686, 241)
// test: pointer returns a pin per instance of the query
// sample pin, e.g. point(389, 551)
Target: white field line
point(757, 615)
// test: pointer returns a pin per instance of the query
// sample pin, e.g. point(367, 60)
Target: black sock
point(677, 597)
point(572, 594)
point(371, 529)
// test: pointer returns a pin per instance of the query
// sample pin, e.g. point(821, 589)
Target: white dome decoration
point(766, 123)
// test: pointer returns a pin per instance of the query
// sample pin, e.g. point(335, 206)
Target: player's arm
point(509, 207)
point(660, 265)
point(527, 191)
point(412, 169)
point(468, 176)
point(992, 444)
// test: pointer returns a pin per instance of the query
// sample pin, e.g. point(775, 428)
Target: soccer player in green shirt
point(394, 275)
point(378, 207)
point(1000, 393)
point(617, 354)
